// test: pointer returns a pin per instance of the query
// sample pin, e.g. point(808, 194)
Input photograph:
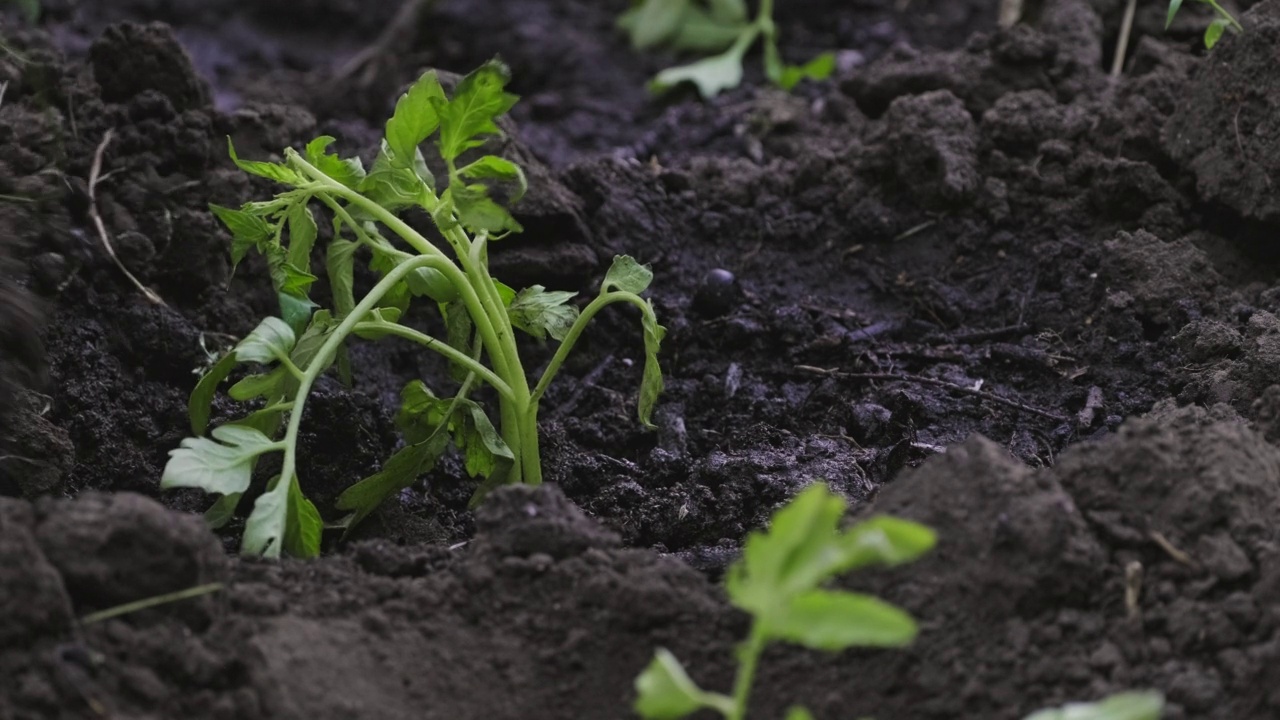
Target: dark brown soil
point(975, 282)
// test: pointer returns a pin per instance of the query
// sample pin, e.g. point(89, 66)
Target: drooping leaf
point(393, 186)
point(221, 512)
point(656, 21)
point(477, 211)
point(294, 310)
point(492, 167)
point(704, 32)
point(467, 119)
point(484, 452)
point(340, 264)
point(666, 692)
point(272, 340)
point(1122, 706)
point(540, 312)
point(505, 292)
point(271, 171)
point(380, 322)
point(247, 230)
point(825, 620)
point(302, 235)
point(627, 275)
point(398, 473)
point(711, 75)
point(416, 117)
point(200, 403)
point(348, 172)
point(266, 385)
point(303, 525)
point(221, 465)
point(265, 529)
point(265, 420)
point(458, 332)
point(651, 384)
point(432, 283)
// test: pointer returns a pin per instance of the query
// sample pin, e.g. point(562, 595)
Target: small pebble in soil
point(717, 294)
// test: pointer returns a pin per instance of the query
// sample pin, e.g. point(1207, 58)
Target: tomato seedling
point(715, 26)
point(480, 314)
point(779, 582)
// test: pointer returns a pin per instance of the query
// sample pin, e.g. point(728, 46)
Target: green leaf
point(303, 525)
point(286, 278)
point(221, 512)
point(541, 313)
point(729, 11)
point(883, 540)
point(30, 10)
point(221, 467)
point(267, 385)
point(790, 557)
point(627, 275)
point(416, 117)
point(265, 420)
point(271, 171)
point(657, 21)
point(398, 473)
point(395, 187)
point(265, 529)
point(468, 118)
point(1174, 5)
point(484, 452)
point(294, 310)
point(819, 68)
point(247, 230)
point(382, 319)
point(825, 620)
point(666, 692)
point(711, 75)
point(340, 264)
point(477, 211)
point(505, 292)
point(651, 384)
point(1213, 33)
point(348, 172)
point(421, 413)
point(458, 331)
point(272, 340)
point(432, 283)
point(703, 32)
point(799, 713)
point(492, 167)
point(1122, 706)
point(302, 235)
point(200, 403)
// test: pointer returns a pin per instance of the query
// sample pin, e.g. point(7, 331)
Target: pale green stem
point(330, 348)
point(444, 349)
point(571, 338)
point(748, 658)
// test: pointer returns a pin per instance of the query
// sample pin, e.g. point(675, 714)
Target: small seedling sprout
point(480, 314)
point(715, 26)
point(1213, 33)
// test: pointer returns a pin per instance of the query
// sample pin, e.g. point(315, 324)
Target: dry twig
point(95, 176)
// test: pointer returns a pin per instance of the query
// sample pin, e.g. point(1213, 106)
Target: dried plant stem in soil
point(95, 176)
point(921, 380)
point(1122, 43)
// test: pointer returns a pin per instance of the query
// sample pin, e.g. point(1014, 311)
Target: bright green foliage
point(481, 314)
point(1124, 706)
point(779, 581)
point(1213, 33)
point(714, 26)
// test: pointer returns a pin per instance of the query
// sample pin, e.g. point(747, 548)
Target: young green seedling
point(779, 581)
point(1213, 33)
point(480, 314)
point(714, 26)
point(1122, 706)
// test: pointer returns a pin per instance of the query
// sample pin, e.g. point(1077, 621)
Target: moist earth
point(971, 280)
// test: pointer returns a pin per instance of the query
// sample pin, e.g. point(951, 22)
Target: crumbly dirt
point(970, 280)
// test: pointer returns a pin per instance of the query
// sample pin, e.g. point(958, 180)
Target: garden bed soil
point(971, 280)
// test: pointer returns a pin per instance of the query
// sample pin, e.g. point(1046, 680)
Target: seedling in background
point(1213, 33)
point(715, 26)
point(480, 315)
point(779, 582)
point(1123, 706)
